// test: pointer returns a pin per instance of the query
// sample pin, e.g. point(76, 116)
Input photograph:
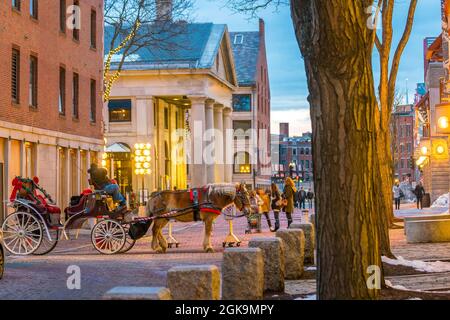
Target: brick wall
point(43, 39)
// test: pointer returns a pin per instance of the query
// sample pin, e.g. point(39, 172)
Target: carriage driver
point(99, 178)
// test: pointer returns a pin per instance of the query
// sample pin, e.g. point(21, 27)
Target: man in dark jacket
point(419, 192)
point(99, 179)
point(302, 198)
point(310, 197)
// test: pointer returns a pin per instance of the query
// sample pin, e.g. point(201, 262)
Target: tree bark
point(336, 45)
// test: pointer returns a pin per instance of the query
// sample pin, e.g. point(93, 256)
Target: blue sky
point(286, 71)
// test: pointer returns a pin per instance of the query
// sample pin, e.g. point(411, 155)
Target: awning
point(118, 147)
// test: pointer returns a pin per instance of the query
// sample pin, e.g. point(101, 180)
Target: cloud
point(299, 120)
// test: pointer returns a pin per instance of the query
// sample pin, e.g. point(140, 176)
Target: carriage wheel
point(108, 237)
point(46, 244)
point(129, 243)
point(22, 233)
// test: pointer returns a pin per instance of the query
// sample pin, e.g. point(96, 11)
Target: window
point(93, 29)
point(75, 94)
point(15, 76)
point(241, 128)
point(16, 4)
point(307, 164)
point(166, 118)
point(242, 162)
point(33, 81)
point(294, 152)
point(62, 91)
point(62, 15)
point(302, 151)
point(242, 102)
point(119, 110)
point(238, 39)
point(34, 9)
point(93, 100)
point(76, 31)
point(307, 151)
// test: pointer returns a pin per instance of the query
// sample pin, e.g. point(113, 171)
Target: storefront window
point(119, 110)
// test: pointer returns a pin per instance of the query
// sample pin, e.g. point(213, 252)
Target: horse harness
point(196, 196)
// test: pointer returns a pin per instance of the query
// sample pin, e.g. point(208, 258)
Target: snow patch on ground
point(442, 201)
point(434, 266)
point(311, 268)
point(308, 297)
point(398, 287)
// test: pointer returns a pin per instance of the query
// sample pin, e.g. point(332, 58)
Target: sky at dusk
point(286, 71)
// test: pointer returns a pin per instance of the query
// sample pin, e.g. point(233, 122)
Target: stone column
point(198, 172)
point(219, 143)
point(228, 145)
point(209, 143)
point(79, 172)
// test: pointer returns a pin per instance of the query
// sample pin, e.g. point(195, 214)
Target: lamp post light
point(142, 163)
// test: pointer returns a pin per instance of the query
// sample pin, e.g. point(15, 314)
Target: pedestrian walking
point(397, 196)
point(310, 197)
point(275, 197)
point(301, 195)
point(419, 191)
point(265, 208)
point(288, 194)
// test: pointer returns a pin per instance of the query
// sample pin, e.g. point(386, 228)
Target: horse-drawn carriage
point(35, 226)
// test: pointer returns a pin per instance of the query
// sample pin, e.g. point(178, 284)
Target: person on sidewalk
point(275, 197)
point(419, 191)
point(397, 195)
point(256, 203)
point(288, 194)
point(302, 198)
point(310, 197)
point(265, 208)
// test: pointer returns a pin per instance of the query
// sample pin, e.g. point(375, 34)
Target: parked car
point(2, 256)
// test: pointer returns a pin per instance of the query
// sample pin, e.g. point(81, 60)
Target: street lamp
point(142, 162)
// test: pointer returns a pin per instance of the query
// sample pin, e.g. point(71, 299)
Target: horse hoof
point(160, 250)
point(209, 250)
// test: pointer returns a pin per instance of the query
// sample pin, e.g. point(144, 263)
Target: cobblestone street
point(45, 277)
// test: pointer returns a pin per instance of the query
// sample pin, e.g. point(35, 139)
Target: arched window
point(242, 162)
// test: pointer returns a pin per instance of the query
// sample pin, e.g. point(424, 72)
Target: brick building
point(51, 101)
point(294, 156)
point(402, 127)
point(251, 108)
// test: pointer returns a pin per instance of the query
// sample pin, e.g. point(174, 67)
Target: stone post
point(310, 239)
point(194, 282)
point(294, 252)
point(242, 274)
point(273, 253)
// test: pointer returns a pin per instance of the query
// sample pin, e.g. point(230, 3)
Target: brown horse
point(204, 204)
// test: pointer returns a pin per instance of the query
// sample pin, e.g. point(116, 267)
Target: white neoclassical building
point(162, 91)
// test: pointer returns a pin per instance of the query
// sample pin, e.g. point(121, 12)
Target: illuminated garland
point(109, 81)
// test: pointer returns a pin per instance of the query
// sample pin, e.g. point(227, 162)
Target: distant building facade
point(402, 129)
point(251, 109)
point(294, 157)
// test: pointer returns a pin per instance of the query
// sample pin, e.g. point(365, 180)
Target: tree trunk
point(336, 46)
point(386, 213)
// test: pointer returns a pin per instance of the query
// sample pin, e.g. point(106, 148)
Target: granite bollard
point(294, 252)
point(310, 240)
point(138, 293)
point(242, 274)
point(273, 254)
point(200, 282)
